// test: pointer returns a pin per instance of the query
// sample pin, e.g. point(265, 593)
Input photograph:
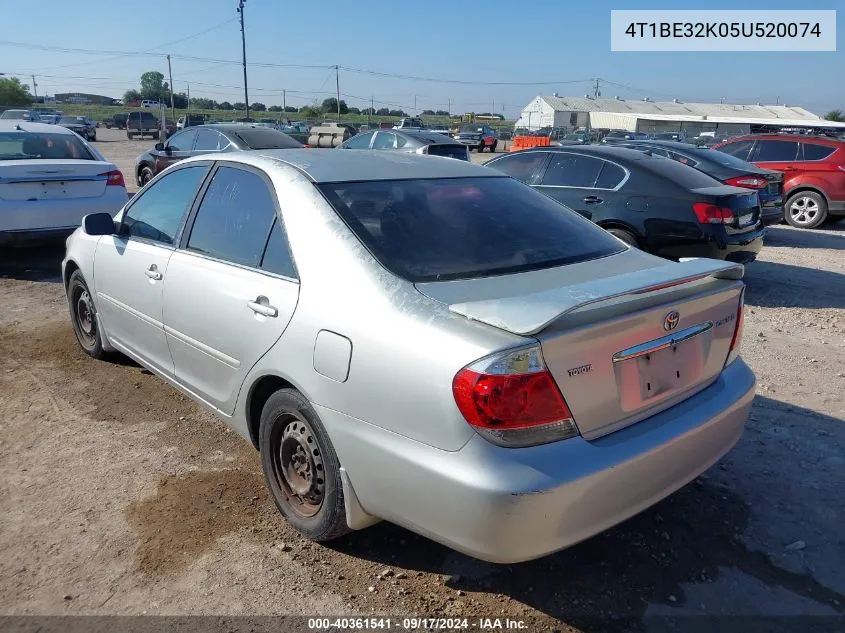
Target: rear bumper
point(511, 505)
point(771, 214)
point(42, 216)
point(741, 248)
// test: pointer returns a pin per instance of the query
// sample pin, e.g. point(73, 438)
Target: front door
point(231, 288)
point(178, 147)
point(131, 268)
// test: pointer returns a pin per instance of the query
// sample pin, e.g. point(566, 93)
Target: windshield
point(28, 146)
point(266, 138)
point(458, 228)
point(15, 114)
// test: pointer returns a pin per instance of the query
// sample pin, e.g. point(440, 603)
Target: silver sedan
point(420, 340)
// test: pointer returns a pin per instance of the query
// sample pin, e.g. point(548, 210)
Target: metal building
point(663, 116)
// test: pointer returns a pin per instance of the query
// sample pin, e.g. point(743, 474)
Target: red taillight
point(512, 400)
point(114, 178)
point(736, 341)
point(748, 182)
point(711, 214)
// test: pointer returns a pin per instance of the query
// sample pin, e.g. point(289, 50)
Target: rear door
point(232, 286)
point(573, 179)
point(777, 154)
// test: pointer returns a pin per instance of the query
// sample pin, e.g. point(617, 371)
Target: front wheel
point(145, 176)
point(806, 210)
point(83, 316)
point(493, 147)
point(301, 467)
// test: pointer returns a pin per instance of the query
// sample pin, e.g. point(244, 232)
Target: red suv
point(813, 173)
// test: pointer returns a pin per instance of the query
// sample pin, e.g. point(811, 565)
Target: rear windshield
point(28, 146)
point(459, 228)
point(724, 159)
point(687, 177)
point(266, 138)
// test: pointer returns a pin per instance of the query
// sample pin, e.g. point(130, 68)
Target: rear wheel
point(806, 210)
point(301, 467)
point(83, 316)
point(493, 147)
point(626, 236)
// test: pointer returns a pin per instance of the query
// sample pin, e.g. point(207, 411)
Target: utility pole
point(597, 92)
point(172, 105)
point(415, 105)
point(284, 101)
point(34, 88)
point(337, 84)
point(243, 49)
point(372, 108)
point(449, 106)
point(494, 107)
point(189, 97)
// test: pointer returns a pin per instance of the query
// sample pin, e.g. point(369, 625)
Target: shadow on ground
point(774, 285)
point(37, 262)
point(687, 538)
point(830, 236)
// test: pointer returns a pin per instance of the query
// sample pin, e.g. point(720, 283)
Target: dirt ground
point(119, 496)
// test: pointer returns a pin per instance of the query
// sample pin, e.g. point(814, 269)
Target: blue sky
point(465, 40)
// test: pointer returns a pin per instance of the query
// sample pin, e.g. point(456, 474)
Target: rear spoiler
point(531, 313)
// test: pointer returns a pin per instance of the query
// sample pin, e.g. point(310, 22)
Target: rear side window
point(266, 138)
point(454, 228)
point(739, 149)
point(362, 141)
point(234, 217)
point(384, 140)
point(572, 170)
point(686, 177)
point(277, 258)
point(207, 141)
point(610, 177)
point(814, 151)
point(777, 151)
point(521, 165)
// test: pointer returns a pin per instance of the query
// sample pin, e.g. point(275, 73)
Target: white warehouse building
point(663, 116)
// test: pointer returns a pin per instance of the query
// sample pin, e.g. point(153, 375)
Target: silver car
point(420, 340)
point(408, 141)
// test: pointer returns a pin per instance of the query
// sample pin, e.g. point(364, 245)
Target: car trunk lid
point(744, 205)
point(621, 347)
point(33, 180)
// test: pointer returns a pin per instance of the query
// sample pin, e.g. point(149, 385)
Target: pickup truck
point(142, 124)
point(409, 124)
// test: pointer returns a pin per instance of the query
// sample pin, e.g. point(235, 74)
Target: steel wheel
point(145, 176)
point(86, 317)
point(298, 466)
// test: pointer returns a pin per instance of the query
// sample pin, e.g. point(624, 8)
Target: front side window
point(458, 228)
point(521, 165)
point(234, 217)
point(157, 213)
point(183, 141)
point(777, 151)
point(572, 170)
point(362, 141)
point(739, 149)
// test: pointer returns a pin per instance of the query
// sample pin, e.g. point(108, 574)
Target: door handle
point(592, 200)
point(262, 306)
point(152, 273)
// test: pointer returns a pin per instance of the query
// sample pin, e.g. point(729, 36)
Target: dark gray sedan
point(408, 142)
point(81, 125)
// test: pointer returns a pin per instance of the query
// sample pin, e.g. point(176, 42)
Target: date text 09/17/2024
point(416, 623)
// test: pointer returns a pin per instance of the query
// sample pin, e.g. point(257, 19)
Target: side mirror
point(168, 150)
point(159, 147)
point(98, 224)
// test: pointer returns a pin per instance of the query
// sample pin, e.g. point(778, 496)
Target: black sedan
point(409, 142)
point(651, 202)
point(79, 124)
point(208, 139)
point(727, 169)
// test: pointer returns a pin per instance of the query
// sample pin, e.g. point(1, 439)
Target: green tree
point(397, 113)
point(225, 105)
point(153, 86)
point(180, 100)
point(13, 92)
point(311, 111)
point(442, 113)
point(330, 106)
point(131, 95)
point(428, 112)
point(291, 109)
point(835, 115)
point(351, 110)
point(258, 107)
point(383, 112)
point(274, 109)
point(239, 105)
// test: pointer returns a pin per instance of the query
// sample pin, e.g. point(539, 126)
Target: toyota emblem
point(670, 321)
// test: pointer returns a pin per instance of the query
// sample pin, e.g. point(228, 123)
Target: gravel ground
point(119, 496)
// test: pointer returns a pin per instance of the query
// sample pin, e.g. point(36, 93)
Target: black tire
point(83, 316)
point(93, 137)
point(493, 147)
point(145, 175)
point(805, 210)
point(130, 136)
point(626, 236)
point(295, 452)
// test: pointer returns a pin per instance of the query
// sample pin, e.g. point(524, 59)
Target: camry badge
point(670, 321)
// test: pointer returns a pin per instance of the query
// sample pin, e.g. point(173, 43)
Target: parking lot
point(118, 495)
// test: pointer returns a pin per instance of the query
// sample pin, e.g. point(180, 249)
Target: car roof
point(429, 136)
point(11, 125)
point(600, 151)
point(801, 138)
point(349, 165)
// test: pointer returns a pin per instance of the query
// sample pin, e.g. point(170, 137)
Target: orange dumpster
point(526, 142)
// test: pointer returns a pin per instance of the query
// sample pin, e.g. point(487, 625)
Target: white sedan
point(49, 179)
